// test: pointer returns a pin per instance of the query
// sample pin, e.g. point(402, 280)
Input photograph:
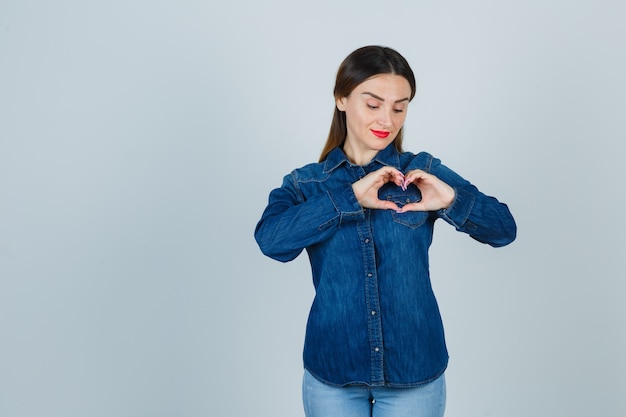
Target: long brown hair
point(360, 65)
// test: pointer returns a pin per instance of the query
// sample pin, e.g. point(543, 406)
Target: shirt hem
point(385, 384)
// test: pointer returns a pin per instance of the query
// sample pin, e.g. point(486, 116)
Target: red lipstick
point(380, 133)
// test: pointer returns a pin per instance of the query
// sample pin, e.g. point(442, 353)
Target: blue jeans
point(321, 400)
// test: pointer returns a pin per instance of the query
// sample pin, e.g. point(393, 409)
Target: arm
point(292, 221)
point(470, 211)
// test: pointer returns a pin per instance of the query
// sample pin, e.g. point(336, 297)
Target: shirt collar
point(388, 156)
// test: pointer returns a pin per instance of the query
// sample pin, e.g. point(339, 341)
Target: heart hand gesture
point(436, 194)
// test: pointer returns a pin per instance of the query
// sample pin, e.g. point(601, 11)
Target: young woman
point(365, 213)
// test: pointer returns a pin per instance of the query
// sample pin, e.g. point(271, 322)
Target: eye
point(372, 106)
point(398, 110)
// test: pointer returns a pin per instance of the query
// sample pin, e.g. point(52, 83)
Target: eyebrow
point(382, 99)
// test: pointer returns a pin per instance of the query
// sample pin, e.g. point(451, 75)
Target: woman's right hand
point(366, 189)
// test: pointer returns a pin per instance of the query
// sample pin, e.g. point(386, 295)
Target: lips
point(380, 133)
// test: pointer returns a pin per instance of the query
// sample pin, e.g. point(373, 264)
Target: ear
point(341, 103)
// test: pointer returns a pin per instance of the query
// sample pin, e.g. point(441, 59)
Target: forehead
point(387, 86)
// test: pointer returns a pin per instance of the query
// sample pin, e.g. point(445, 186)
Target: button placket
point(372, 302)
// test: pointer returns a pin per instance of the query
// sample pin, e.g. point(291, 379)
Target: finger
point(408, 179)
point(387, 205)
point(415, 174)
point(398, 179)
point(419, 206)
point(390, 174)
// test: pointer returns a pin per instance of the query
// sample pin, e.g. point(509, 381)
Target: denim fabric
point(321, 400)
point(374, 319)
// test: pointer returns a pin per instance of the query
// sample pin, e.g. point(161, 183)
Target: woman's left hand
point(436, 194)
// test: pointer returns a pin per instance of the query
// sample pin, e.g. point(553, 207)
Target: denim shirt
point(374, 319)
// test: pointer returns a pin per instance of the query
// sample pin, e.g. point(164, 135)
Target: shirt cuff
point(460, 209)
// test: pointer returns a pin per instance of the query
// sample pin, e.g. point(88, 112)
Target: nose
point(385, 119)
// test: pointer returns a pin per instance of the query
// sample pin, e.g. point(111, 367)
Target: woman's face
point(375, 113)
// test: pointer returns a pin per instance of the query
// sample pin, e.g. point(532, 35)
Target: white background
point(139, 141)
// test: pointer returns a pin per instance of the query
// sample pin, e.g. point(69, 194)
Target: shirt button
point(376, 349)
point(373, 312)
point(369, 275)
point(367, 241)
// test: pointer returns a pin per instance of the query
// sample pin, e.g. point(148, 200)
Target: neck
point(358, 157)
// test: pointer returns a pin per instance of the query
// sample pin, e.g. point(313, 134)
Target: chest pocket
point(412, 219)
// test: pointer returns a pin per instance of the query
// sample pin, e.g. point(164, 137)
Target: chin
point(382, 145)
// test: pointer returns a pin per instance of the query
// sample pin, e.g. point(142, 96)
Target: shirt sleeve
point(481, 216)
point(292, 221)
